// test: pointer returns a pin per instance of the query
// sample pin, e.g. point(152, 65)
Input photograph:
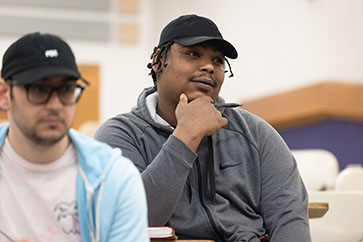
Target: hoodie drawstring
point(190, 190)
point(212, 179)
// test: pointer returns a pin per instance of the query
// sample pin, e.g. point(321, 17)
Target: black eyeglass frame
point(52, 90)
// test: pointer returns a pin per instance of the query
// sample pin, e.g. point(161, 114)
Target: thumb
point(183, 99)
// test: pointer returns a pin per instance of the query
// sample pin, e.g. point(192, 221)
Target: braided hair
point(163, 50)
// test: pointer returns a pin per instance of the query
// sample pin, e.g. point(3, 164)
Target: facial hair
point(31, 132)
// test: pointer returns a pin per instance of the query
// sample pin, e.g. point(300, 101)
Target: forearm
point(164, 170)
point(165, 178)
point(284, 198)
point(285, 212)
point(189, 137)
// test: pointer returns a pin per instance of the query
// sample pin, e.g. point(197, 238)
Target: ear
point(155, 67)
point(4, 95)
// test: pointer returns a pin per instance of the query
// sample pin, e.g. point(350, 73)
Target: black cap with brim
point(37, 56)
point(192, 29)
point(32, 75)
point(226, 47)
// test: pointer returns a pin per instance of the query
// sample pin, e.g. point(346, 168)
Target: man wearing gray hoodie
point(210, 170)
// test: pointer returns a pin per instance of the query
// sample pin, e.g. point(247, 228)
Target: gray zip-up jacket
point(241, 183)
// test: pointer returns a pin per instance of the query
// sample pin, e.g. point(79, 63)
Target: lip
point(52, 122)
point(203, 83)
point(206, 81)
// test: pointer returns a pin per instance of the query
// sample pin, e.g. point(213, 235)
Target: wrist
point(190, 139)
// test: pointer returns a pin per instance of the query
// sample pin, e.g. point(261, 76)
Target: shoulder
point(243, 119)
point(98, 158)
point(93, 155)
point(119, 123)
point(254, 129)
point(123, 179)
point(87, 144)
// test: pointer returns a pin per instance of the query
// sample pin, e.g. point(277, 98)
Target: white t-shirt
point(38, 201)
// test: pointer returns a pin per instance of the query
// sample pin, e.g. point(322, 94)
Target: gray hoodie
point(241, 183)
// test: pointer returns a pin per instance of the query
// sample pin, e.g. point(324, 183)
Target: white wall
point(282, 44)
point(123, 74)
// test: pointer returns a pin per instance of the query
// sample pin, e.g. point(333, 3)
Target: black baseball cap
point(37, 56)
point(192, 29)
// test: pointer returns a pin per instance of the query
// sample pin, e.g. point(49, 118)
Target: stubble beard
point(44, 141)
point(33, 135)
point(31, 132)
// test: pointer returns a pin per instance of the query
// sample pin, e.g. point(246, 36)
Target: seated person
point(209, 171)
point(56, 184)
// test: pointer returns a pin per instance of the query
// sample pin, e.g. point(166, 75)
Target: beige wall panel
point(88, 106)
point(128, 6)
point(326, 100)
point(128, 32)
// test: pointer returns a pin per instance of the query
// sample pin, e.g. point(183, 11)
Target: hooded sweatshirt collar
point(87, 148)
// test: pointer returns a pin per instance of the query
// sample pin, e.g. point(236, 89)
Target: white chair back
point(318, 168)
point(350, 179)
point(343, 221)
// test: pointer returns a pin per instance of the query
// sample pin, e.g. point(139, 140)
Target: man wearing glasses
point(56, 184)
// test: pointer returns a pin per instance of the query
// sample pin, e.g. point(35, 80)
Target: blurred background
point(300, 67)
point(282, 44)
point(300, 64)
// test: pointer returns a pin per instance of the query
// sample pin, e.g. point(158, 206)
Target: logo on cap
point(53, 53)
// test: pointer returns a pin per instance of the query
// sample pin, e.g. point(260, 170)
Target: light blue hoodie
point(110, 194)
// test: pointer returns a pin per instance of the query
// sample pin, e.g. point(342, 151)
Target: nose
point(54, 101)
point(207, 66)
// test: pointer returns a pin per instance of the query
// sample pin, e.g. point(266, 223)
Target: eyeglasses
point(68, 94)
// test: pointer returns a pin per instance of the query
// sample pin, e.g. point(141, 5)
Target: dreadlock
point(229, 67)
point(163, 50)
